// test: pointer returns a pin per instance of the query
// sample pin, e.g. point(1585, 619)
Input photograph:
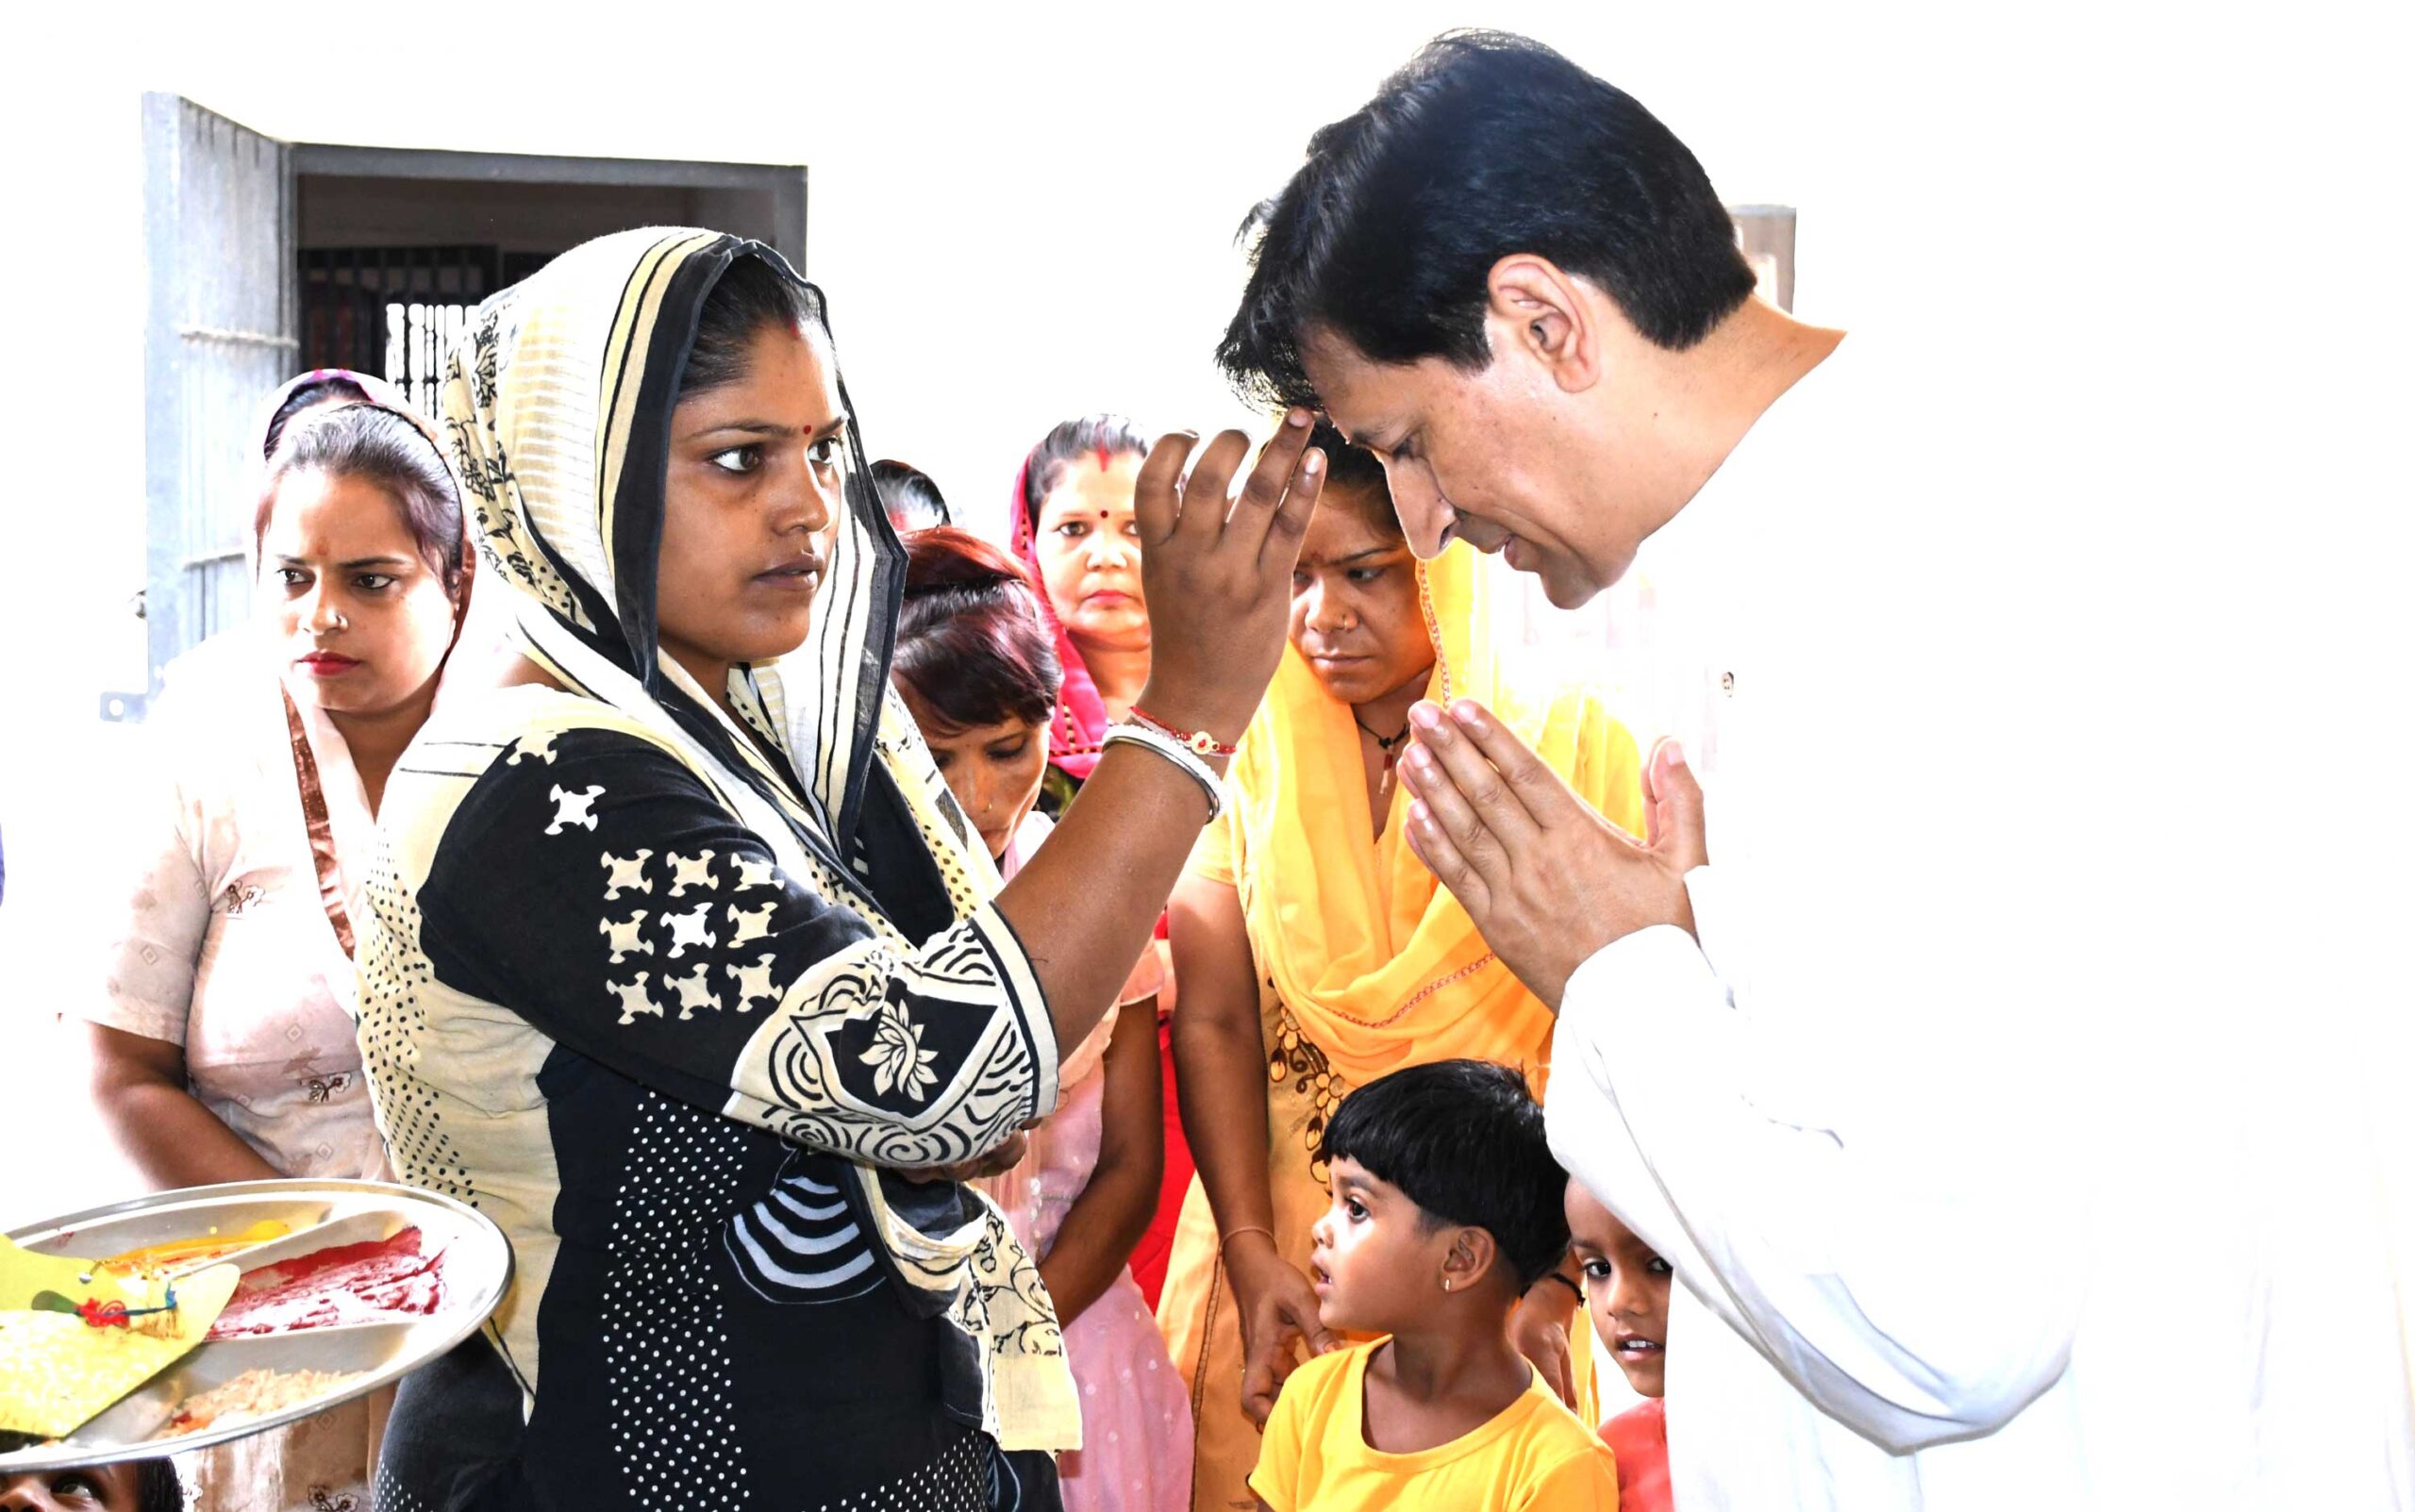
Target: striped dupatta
point(557, 411)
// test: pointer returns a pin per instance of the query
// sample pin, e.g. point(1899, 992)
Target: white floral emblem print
point(688, 930)
point(690, 872)
point(627, 874)
point(749, 925)
point(573, 808)
point(898, 1055)
point(623, 939)
point(753, 982)
point(695, 990)
point(634, 999)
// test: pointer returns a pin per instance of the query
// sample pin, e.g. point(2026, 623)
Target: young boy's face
point(101, 1489)
point(1627, 1289)
point(1376, 1263)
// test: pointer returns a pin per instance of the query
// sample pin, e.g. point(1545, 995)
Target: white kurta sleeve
point(1895, 1282)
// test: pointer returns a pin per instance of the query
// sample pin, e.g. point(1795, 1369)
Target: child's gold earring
point(1446, 1282)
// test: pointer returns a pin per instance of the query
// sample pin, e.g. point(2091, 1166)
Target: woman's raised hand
point(1218, 578)
point(1218, 574)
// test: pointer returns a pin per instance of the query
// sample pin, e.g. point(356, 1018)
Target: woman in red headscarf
point(1074, 528)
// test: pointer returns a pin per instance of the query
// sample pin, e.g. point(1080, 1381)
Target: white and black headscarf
point(557, 411)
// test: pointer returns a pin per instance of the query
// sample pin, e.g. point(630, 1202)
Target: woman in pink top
point(976, 667)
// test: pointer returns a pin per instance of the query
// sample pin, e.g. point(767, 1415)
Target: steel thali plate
point(476, 1273)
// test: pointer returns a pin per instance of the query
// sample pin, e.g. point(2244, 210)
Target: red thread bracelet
point(1200, 742)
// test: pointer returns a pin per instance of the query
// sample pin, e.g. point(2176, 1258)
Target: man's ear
point(1472, 1256)
point(1538, 312)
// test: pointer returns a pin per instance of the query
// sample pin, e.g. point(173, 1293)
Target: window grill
point(396, 311)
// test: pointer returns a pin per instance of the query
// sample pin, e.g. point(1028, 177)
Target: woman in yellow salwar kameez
point(1317, 953)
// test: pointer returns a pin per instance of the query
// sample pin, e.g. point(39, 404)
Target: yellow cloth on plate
point(57, 1371)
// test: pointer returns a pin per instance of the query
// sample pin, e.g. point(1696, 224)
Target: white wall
point(2164, 246)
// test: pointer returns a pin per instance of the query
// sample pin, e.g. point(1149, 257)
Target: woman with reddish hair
point(975, 665)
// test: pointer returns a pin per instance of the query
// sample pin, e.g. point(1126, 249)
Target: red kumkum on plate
point(375, 1281)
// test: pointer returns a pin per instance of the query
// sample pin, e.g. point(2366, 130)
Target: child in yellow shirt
point(1446, 1208)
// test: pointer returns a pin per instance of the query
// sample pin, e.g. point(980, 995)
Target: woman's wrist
point(1246, 1242)
point(1206, 773)
point(1200, 742)
point(1171, 708)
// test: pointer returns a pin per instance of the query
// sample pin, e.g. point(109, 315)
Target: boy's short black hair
point(157, 1488)
point(1483, 146)
point(1463, 1140)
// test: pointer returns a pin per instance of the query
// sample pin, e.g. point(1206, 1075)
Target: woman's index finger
point(1156, 495)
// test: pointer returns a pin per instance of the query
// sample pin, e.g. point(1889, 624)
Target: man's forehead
point(1364, 398)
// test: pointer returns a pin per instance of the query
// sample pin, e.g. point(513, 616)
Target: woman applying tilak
point(1317, 952)
point(689, 970)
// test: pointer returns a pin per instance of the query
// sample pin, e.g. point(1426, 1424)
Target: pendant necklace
point(1387, 745)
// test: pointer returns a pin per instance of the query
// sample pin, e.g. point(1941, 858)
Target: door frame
point(168, 556)
point(165, 421)
point(785, 184)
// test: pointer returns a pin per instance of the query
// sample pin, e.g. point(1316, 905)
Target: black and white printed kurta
point(600, 1009)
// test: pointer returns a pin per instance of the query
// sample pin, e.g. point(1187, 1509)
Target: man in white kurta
point(2004, 1156)
point(1933, 1116)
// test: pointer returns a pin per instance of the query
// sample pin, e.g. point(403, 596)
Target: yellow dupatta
point(1379, 964)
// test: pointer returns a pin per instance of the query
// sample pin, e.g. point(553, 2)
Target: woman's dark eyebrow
point(354, 565)
point(1344, 561)
point(747, 427)
point(770, 429)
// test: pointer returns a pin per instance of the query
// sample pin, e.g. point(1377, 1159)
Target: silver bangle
point(1150, 738)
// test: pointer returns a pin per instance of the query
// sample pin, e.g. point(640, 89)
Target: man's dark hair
point(1463, 1140)
point(1485, 144)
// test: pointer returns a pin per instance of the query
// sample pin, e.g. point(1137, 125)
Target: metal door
point(218, 227)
